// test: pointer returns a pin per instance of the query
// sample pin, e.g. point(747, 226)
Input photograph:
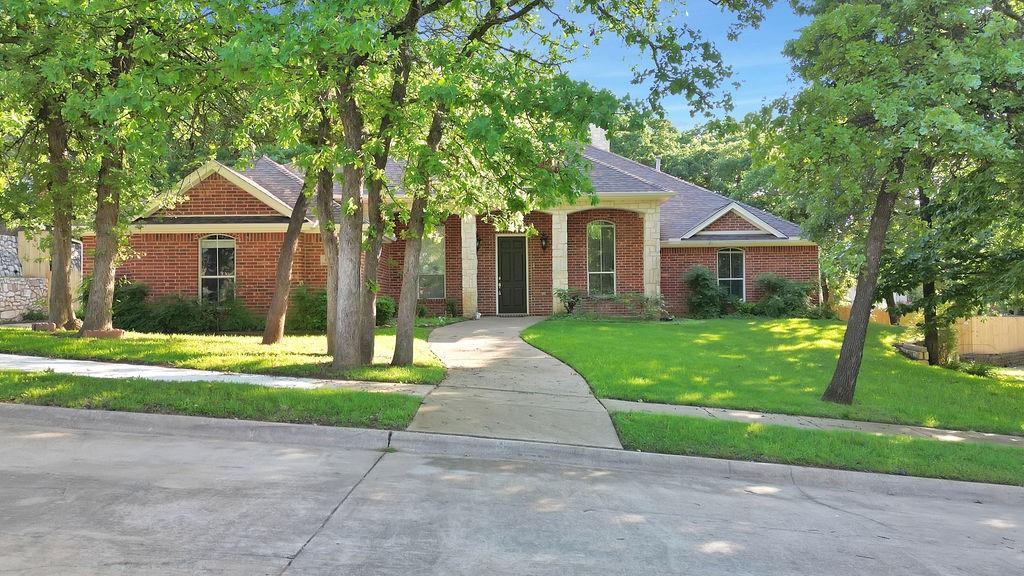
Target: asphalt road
point(79, 501)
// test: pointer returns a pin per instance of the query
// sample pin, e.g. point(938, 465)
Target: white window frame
point(615, 259)
point(743, 269)
point(216, 239)
point(440, 234)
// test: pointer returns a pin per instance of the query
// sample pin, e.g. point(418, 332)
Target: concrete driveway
point(501, 387)
point(106, 498)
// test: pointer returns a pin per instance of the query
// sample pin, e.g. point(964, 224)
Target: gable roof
point(739, 210)
point(688, 208)
point(690, 205)
point(240, 180)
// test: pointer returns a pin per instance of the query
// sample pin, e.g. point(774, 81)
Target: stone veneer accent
point(19, 295)
point(10, 264)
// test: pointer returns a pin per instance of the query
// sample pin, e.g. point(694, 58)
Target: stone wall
point(10, 264)
point(19, 295)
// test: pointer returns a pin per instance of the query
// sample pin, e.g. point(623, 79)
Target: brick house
point(647, 230)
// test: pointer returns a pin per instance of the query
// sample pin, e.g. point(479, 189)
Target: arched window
point(730, 272)
point(217, 268)
point(601, 257)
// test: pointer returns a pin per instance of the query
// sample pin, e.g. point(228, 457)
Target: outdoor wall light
point(477, 242)
point(544, 241)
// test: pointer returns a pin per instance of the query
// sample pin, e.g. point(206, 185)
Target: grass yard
point(841, 449)
point(293, 356)
point(775, 366)
point(328, 407)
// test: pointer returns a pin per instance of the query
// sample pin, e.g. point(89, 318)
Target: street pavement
point(156, 496)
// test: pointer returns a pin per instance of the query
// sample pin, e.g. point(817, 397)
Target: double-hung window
point(730, 272)
point(217, 268)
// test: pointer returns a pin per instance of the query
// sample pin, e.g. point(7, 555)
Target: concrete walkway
point(501, 387)
point(166, 374)
point(815, 423)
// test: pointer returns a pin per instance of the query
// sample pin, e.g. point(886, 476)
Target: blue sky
point(756, 59)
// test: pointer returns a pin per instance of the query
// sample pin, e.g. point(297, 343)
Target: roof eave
point(690, 243)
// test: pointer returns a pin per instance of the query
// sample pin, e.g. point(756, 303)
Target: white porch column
point(469, 301)
point(652, 251)
point(559, 256)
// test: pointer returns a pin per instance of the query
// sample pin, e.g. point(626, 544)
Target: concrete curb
point(591, 457)
point(432, 444)
point(196, 427)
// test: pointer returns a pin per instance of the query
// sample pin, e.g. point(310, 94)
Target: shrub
point(782, 296)
point(648, 307)
point(34, 315)
point(422, 311)
point(133, 310)
point(307, 310)
point(451, 307)
point(386, 308)
point(177, 314)
point(707, 299)
point(973, 368)
point(570, 298)
point(821, 311)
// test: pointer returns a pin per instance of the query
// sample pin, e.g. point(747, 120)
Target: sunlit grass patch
point(329, 407)
point(775, 366)
point(304, 356)
point(840, 449)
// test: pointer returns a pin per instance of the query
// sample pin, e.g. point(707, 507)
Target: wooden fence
point(991, 335)
point(877, 314)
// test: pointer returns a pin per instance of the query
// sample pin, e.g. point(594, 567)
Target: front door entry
point(511, 275)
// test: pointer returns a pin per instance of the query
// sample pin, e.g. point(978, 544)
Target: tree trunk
point(61, 305)
point(844, 379)
point(931, 327)
point(99, 309)
point(347, 341)
point(826, 293)
point(371, 263)
point(283, 281)
point(406, 318)
point(329, 238)
point(890, 304)
point(405, 333)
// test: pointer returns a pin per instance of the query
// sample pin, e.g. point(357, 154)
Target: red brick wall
point(731, 222)
point(629, 246)
point(794, 262)
point(393, 254)
point(215, 196)
point(169, 263)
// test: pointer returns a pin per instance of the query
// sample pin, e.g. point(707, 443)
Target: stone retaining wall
point(19, 295)
point(10, 264)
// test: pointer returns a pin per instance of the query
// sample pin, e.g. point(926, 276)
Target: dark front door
point(511, 275)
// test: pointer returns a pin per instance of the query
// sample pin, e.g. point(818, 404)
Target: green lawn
point(775, 366)
point(841, 449)
point(329, 407)
point(293, 356)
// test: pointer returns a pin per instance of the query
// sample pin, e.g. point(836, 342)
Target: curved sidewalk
point(501, 387)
